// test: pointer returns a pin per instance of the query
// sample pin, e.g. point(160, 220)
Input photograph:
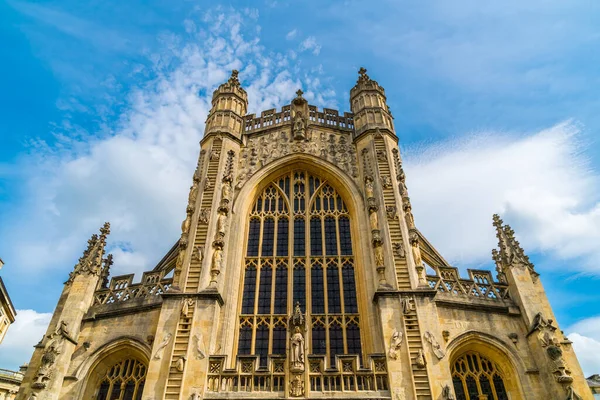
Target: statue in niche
point(199, 253)
point(390, 212)
point(203, 215)
point(221, 222)
point(435, 346)
point(379, 256)
point(395, 344)
point(416, 251)
point(217, 261)
point(386, 181)
point(299, 126)
point(297, 351)
point(226, 190)
point(161, 347)
point(369, 190)
point(297, 386)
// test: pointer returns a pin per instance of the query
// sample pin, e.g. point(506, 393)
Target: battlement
point(271, 118)
point(122, 289)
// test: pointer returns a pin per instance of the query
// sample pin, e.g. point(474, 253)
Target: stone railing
point(480, 285)
point(271, 118)
point(121, 288)
point(348, 376)
point(11, 375)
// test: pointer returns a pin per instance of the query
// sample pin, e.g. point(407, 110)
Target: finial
point(233, 79)
point(511, 251)
point(363, 78)
point(299, 93)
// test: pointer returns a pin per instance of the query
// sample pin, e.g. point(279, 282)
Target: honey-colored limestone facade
point(300, 273)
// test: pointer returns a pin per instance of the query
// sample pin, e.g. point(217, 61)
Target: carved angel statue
point(395, 343)
point(221, 222)
point(297, 350)
point(200, 347)
point(435, 346)
point(420, 360)
point(447, 393)
point(299, 126)
point(416, 251)
point(161, 347)
point(180, 364)
point(369, 190)
point(185, 307)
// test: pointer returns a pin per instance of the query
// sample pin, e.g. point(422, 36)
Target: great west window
point(299, 250)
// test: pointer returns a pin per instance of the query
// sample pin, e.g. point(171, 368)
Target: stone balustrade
point(480, 284)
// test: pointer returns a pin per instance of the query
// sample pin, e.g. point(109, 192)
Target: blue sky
point(102, 105)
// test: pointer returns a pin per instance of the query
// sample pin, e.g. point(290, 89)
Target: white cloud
point(27, 330)
point(585, 336)
point(310, 44)
point(136, 173)
point(540, 183)
point(291, 34)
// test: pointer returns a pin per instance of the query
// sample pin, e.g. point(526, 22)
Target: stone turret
point(229, 106)
point(368, 103)
point(50, 361)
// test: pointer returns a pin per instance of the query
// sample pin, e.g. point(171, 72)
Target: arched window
point(123, 381)
point(299, 250)
point(474, 375)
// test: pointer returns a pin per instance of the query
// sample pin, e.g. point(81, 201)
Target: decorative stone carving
point(546, 336)
point(180, 363)
point(447, 393)
point(379, 260)
point(408, 305)
point(161, 347)
point(204, 215)
point(511, 252)
point(397, 163)
point(185, 225)
point(410, 219)
point(217, 261)
point(214, 155)
point(228, 171)
point(52, 350)
point(367, 170)
point(193, 194)
point(572, 395)
point(399, 249)
point(435, 346)
point(395, 344)
point(90, 262)
point(513, 337)
point(390, 212)
point(500, 275)
point(299, 126)
point(297, 342)
point(108, 262)
point(369, 189)
point(198, 253)
point(186, 304)
point(400, 394)
point(207, 184)
point(381, 156)
point(420, 360)
point(297, 386)
point(446, 336)
point(386, 182)
point(416, 252)
point(297, 351)
point(200, 353)
point(221, 223)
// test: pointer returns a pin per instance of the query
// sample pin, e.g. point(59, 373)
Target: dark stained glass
point(316, 242)
point(299, 241)
point(319, 340)
point(486, 387)
point(245, 340)
point(249, 290)
point(281, 290)
point(472, 387)
point(350, 303)
point(253, 237)
point(330, 237)
point(500, 389)
point(334, 303)
point(103, 392)
point(299, 287)
point(264, 290)
point(268, 237)
point(459, 391)
point(279, 340)
point(261, 346)
point(317, 288)
point(353, 339)
point(345, 239)
point(282, 237)
point(336, 342)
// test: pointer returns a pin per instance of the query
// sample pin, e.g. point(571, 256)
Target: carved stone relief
point(420, 360)
point(399, 249)
point(200, 353)
point(297, 386)
point(391, 212)
point(546, 336)
point(186, 304)
point(408, 305)
point(395, 344)
point(161, 347)
point(261, 150)
point(203, 215)
point(435, 346)
point(447, 393)
point(386, 182)
point(180, 363)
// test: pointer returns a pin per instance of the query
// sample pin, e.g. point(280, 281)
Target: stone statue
point(297, 386)
point(203, 215)
point(386, 181)
point(379, 256)
point(369, 190)
point(221, 222)
point(447, 393)
point(161, 347)
point(420, 360)
point(435, 346)
point(299, 127)
point(180, 364)
point(185, 307)
point(416, 251)
point(199, 253)
point(193, 194)
point(373, 220)
point(407, 305)
point(399, 249)
point(395, 343)
point(226, 190)
point(297, 351)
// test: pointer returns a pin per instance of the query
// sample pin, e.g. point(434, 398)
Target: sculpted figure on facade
point(420, 360)
point(186, 304)
point(447, 393)
point(200, 353)
point(199, 253)
point(217, 261)
point(297, 351)
point(161, 347)
point(204, 215)
point(297, 386)
point(390, 212)
point(435, 346)
point(221, 223)
point(399, 249)
point(395, 344)
point(299, 126)
point(408, 304)
point(546, 336)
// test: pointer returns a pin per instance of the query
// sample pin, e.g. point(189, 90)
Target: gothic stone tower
point(301, 273)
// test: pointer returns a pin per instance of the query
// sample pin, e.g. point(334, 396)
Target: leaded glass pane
point(333, 290)
point(268, 237)
point(330, 237)
point(264, 290)
point(282, 237)
point(281, 290)
point(299, 239)
point(253, 237)
point(317, 288)
point(316, 241)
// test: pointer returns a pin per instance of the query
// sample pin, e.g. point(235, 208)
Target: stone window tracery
point(123, 381)
point(474, 375)
point(299, 250)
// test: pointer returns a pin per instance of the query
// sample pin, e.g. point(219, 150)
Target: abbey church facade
point(301, 273)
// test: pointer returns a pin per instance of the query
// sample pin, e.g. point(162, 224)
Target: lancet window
point(123, 381)
point(473, 376)
point(299, 251)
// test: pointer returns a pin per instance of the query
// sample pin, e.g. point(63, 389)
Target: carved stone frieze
point(395, 344)
point(336, 148)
